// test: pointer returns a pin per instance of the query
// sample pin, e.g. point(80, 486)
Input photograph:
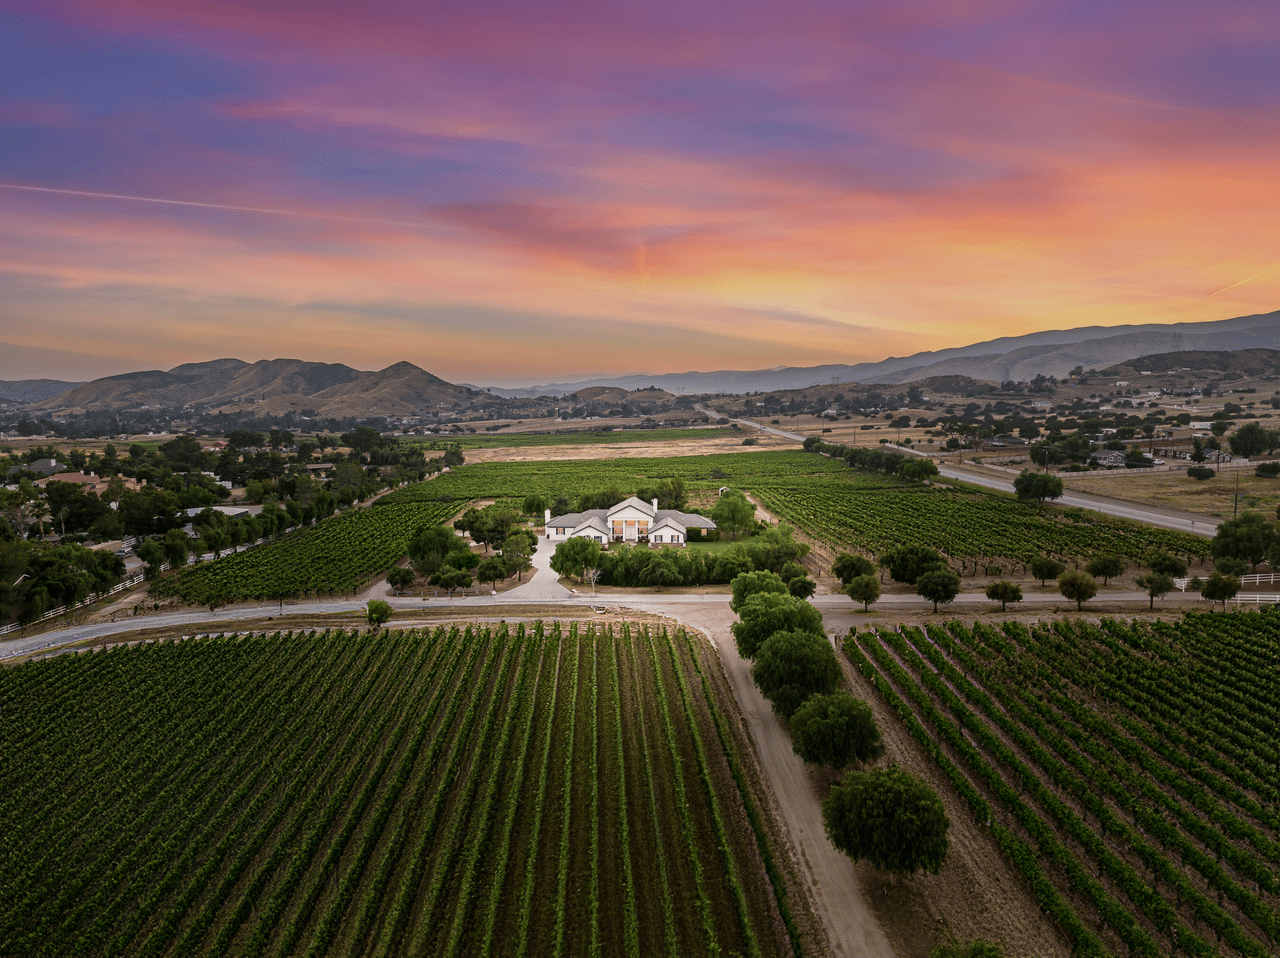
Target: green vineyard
point(468, 791)
point(573, 477)
point(334, 556)
point(1131, 773)
point(969, 524)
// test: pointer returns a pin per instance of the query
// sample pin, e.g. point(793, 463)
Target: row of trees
point(35, 579)
point(1249, 536)
point(774, 549)
point(884, 815)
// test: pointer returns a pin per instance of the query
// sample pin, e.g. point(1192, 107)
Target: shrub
point(835, 730)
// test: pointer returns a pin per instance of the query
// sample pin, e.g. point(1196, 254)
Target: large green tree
point(908, 563)
point(938, 586)
point(791, 666)
point(517, 552)
point(849, 566)
point(1077, 586)
point(1106, 566)
point(1220, 588)
point(747, 584)
point(1045, 568)
point(864, 589)
point(1156, 585)
point(1250, 440)
point(378, 612)
point(490, 570)
point(765, 613)
point(1004, 593)
point(734, 513)
point(835, 730)
point(1250, 537)
point(1037, 485)
point(890, 818)
point(575, 554)
point(1165, 564)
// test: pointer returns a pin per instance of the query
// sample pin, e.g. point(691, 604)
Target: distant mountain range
point(1021, 358)
point(268, 387)
point(33, 390)
point(279, 386)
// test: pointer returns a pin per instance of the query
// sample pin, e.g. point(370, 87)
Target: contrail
point(1248, 279)
point(219, 206)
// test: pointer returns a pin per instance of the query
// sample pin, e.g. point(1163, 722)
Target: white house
point(630, 521)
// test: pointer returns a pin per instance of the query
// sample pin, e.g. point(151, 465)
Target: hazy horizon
point(515, 195)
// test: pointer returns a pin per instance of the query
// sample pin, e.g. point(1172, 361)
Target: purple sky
point(515, 193)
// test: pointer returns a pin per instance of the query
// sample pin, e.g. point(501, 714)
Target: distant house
point(1110, 458)
point(43, 467)
point(91, 482)
point(630, 522)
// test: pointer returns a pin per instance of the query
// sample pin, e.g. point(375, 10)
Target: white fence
point(1261, 578)
point(1257, 598)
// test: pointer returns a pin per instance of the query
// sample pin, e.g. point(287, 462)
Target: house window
point(657, 538)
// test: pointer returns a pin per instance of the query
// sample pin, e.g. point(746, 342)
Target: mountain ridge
point(278, 386)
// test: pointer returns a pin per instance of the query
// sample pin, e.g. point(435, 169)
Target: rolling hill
point(272, 387)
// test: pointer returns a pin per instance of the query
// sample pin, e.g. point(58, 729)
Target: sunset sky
point(514, 193)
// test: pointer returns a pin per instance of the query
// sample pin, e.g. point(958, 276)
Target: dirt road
point(852, 929)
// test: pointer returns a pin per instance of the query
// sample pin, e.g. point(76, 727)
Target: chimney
point(655, 505)
point(546, 519)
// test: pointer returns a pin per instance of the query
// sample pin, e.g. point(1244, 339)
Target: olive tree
point(1079, 586)
point(766, 613)
point(400, 577)
point(892, 819)
point(377, 612)
point(1106, 566)
point(1220, 588)
point(747, 584)
point(1045, 568)
point(791, 666)
point(1156, 584)
point(848, 567)
point(835, 730)
point(864, 589)
point(1004, 593)
point(940, 585)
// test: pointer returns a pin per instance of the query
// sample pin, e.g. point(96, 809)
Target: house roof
point(631, 502)
point(600, 518)
point(78, 478)
point(46, 467)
